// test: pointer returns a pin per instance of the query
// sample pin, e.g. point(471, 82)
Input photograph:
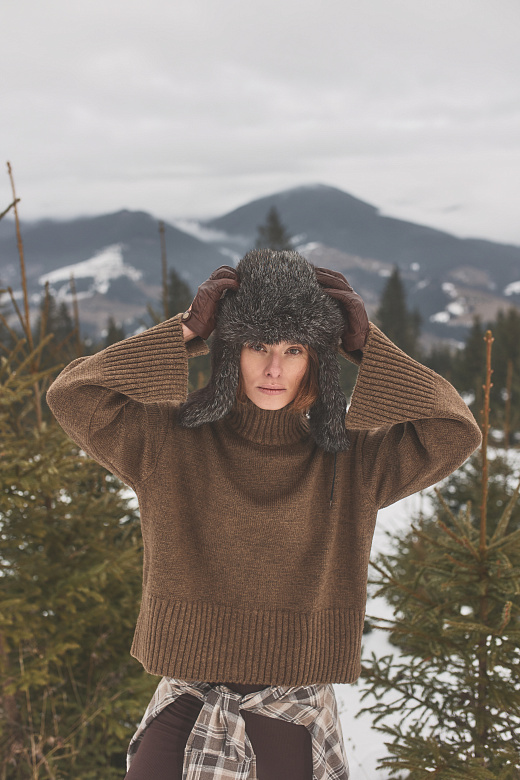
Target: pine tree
point(70, 567)
point(55, 319)
point(464, 368)
point(179, 294)
point(394, 319)
point(453, 581)
point(469, 369)
point(506, 379)
point(273, 234)
point(70, 559)
point(114, 334)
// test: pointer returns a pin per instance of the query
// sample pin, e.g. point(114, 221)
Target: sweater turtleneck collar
point(264, 426)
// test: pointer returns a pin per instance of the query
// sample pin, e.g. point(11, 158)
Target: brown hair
point(308, 390)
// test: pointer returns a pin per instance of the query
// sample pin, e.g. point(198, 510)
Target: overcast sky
point(191, 108)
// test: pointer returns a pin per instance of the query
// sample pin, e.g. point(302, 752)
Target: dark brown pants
point(283, 750)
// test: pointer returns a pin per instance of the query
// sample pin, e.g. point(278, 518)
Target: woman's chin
point(269, 402)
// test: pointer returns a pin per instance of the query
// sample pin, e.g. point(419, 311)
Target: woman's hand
point(355, 332)
point(201, 317)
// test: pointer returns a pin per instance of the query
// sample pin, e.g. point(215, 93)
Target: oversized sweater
point(255, 563)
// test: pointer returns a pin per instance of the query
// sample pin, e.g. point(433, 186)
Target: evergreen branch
point(506, 516)
point(407, 689)
point(464, 542)
point(25, 329)
point(83, 721)
point(463, 524)
point(3, 320)
point(18, 347)
point(510, 539)
point(15, 375)
point(400, 586)
point(478, 628)
point(441, 543)
point(462, 564)
point(445, 504)
point(506, 616)
point(44, 319)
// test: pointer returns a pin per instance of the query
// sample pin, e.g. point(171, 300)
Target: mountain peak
point(298, 206)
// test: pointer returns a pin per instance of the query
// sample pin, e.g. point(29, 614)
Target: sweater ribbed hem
point(391, 386)
point(202, 641)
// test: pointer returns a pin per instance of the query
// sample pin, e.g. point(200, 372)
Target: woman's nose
point(273, 367)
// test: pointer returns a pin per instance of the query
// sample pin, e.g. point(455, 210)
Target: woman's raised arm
point(115, 404)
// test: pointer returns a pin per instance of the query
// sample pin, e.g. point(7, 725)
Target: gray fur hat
point(279, 299)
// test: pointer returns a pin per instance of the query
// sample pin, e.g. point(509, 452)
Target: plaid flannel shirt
point(218, 747)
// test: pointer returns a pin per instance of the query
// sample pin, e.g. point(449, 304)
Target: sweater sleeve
point(115, 404)
point(414, 428)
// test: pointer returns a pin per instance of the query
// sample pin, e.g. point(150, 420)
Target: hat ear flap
point(327, 414)
point(212, 402)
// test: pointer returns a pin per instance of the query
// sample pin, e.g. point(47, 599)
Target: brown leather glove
point(356, 328)
point(201, 317)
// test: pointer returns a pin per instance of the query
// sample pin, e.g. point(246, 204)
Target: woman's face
point(271, 373)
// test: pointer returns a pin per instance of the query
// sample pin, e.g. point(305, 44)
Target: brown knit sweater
point(251, 574)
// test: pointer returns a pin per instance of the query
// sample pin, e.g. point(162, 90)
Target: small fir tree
point(506, 379)
point(273, 234)
point(179, 294)
point(55, 319)
point(70, 559)
point(115, 332)
point(465, 368)
point(70, 568)
point(451, 704)
point(469, 368)
point(394, 319)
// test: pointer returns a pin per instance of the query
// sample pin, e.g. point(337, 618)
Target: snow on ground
point(363, 744)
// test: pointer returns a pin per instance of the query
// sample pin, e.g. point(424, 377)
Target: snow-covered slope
point(100, 270)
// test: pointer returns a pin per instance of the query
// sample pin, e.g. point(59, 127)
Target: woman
point(258, 501)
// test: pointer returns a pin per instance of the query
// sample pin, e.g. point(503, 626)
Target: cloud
point(186, 108)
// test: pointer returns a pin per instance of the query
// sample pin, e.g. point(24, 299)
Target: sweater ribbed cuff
point(153, 365)
point(391, 386)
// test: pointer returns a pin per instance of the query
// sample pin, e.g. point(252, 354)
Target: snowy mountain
point(116, 258)
point(448, 279)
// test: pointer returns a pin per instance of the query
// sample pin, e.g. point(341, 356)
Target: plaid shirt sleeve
point(218, 747)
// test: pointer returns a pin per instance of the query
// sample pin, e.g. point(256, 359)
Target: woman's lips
point(272, 390)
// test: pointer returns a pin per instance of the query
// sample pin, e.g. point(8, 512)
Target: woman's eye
point(256, 347)
point(295, 351)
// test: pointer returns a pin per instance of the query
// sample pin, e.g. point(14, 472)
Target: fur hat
point(279, 299)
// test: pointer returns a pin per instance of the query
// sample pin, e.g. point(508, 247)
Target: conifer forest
point(71, 696)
